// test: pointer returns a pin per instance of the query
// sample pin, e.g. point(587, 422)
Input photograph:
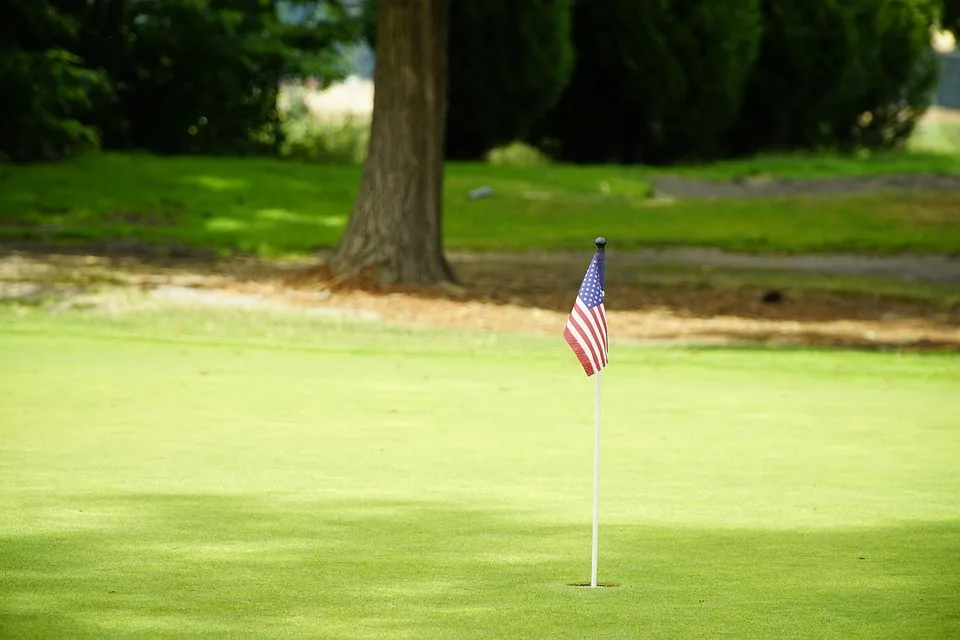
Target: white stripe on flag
point(599, 327)
point(589, 328)
point(596, 325)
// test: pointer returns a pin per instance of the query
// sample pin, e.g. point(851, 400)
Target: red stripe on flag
point(579, 352)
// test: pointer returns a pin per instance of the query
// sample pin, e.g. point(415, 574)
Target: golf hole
point(604, 585)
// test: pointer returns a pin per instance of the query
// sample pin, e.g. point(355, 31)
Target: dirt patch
point(514, 294)
point(524, 296)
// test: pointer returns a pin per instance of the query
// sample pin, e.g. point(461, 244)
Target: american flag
point(586, 330)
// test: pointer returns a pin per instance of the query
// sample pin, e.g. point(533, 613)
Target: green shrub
point(330, 138)
point(47, 89)
point(901, 74)
point(190, 77)
point(839, 74)
point(508, 64)
point(517, 154)
point(337, 142)
point(201, 76)
point(654, 81)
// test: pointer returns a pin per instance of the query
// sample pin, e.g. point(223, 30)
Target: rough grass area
point(273, 207)
point(200, 475)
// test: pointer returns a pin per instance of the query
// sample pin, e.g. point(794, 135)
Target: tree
point(655, 81)
point(508, 64)
point(950, 16)
point(47, 88)
point(168, 76)
point(190, 76)
point(201, 76)
point(394, 233)
point(838, 75)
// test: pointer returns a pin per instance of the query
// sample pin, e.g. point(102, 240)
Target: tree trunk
point(394, 232)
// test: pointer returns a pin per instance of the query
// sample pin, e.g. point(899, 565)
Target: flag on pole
point(586, 330)
point(586, 333)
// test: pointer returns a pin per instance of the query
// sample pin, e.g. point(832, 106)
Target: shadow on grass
point(198, 566)
point(116, 204)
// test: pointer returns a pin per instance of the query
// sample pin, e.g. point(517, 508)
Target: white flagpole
point(596, 486)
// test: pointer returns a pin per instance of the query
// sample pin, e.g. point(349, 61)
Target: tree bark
point(395, 231)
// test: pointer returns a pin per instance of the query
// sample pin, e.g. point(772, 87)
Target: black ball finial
point(601, 243)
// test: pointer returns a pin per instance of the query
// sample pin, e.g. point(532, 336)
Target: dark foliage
point(508, 63)
point(950, 16)
point(47, 89)
point(655, 81)
point(840, 75)
point(167, 76)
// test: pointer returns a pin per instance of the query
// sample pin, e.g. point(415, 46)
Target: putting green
point(215, 475)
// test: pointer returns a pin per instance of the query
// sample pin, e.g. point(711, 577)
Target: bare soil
point(526, 294)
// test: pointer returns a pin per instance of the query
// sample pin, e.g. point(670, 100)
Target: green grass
point(936, 137)
point(215, 475)
point(274, 208)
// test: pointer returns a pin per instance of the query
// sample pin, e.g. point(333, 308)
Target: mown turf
point(273, 207)
point(215, 475)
